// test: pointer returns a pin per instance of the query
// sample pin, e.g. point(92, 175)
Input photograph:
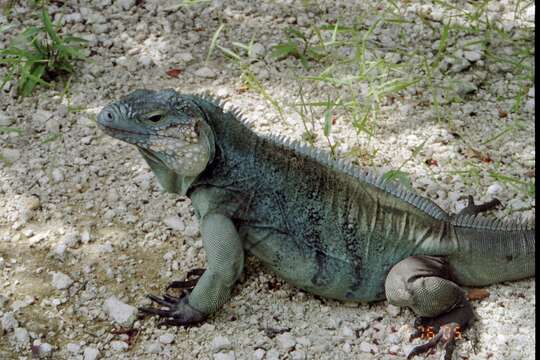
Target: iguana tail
point(491, 251)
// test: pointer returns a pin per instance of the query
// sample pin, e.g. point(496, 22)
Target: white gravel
point(90, 353)
point(61, 281)
point(85, 231)
point(120, 312)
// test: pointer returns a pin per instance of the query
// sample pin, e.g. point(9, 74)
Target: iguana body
point(325, 226)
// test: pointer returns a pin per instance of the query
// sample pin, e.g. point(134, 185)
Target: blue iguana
point(326, 226)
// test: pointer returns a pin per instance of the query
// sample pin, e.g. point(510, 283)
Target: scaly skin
point(324, 226)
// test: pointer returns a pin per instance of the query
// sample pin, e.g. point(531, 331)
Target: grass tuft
point(40, 55)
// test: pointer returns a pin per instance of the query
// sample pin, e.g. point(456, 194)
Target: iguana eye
point(155, 118)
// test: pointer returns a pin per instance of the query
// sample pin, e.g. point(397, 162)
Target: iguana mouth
point(113, 130)
point(122, 131)
point(147, 153)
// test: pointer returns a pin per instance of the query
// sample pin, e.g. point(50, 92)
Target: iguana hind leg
point(423, 283)
point(225, 257)
point(473, 209)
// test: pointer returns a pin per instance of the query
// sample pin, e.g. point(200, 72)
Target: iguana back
point(339, 226)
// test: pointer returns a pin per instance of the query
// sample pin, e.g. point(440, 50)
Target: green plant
point(297, 46)
point(526, 187)
point(244, 63)
point(368, 63)
point(40, 55)
point(399, 175)
point(213, 43)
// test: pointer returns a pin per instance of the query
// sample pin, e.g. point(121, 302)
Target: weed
point(213, 43)
point(51, 137)
point(244, 63)
point(361, 65)
point(527, 187)
point(40, 55)
point(401, 176)
point(299, 47)
point(7, 129)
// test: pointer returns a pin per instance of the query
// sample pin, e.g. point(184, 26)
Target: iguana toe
point(178, 312)
point(187, 284)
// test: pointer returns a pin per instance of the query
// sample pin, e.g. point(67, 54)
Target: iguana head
point(168, 129)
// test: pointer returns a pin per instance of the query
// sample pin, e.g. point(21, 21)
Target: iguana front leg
point(423, 284)
point(225, 258)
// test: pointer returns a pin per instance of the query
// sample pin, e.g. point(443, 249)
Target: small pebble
point(185, 56)
point(225, 356)
point(146, 60)
point(472, 56)
point(119, 345)
point(120, 312)
point(21, 336)
point(174, 222)
point(167, 338)
point(285, 342)
point(192, 230)
point(61, 281)
point(347, 331)
point(9, 322)
point(5, 120)
point(153, 347)
point(298, 355)
point(466, 87)
point(57, 175)
point(45, 350)
point(73, 347)
point(368, 347)
point(221, 343)
point(126, 4)
point(393, 310)
point(90, 353)
point(516, 204)
point(494, 189)
point(272, 354)
point(205, 72)
point(11, 155)
point(259, 354)
point(257, 50)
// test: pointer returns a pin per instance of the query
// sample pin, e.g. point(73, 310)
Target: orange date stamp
point(428, 332)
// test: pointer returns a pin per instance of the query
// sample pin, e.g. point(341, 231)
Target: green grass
point(298, 46)
point(400, 176)
point(355, 80)
point(40, 55)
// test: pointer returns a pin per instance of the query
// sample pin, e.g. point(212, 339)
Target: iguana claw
point(178, 311)
point(447, 334)
point(187, 284)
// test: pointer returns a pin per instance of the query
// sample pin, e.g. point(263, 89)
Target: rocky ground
point(85, 231)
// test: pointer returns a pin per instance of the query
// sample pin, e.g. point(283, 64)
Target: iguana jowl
point(325, 226)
